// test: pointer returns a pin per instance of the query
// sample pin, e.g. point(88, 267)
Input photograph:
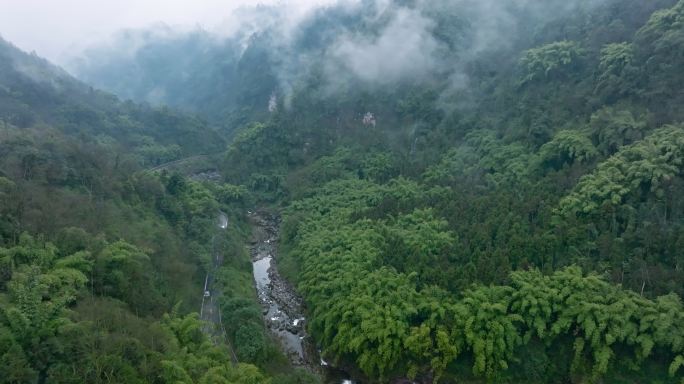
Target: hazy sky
point(57, 29)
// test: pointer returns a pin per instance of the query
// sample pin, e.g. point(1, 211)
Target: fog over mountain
point(372, 42)
point(69, 26)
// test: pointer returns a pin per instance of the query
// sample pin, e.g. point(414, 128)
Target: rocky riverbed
point(283, 309)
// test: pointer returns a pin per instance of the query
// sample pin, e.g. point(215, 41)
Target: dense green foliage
point(508, 213)
point(34, 92)
point(101, 262)
point(381, 292)
point(69, 318)
point(529, 230)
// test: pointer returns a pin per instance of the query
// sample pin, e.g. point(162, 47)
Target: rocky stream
point(283, 309)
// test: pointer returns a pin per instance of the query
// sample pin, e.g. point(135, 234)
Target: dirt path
point(210, 312)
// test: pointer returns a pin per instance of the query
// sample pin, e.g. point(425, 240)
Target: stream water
point(282, 308)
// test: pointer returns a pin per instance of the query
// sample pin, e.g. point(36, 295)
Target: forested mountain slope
point(102, 263)
point(523, 228)
point(471, 191)
point(197, 72)
point(35, 92)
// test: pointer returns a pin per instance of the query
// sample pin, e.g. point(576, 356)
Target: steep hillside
point(102, 263)
point(35, 92)
point(523, 226)
point(197, 72)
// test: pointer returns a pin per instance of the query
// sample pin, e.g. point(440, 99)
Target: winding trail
point(210, 312)
point(174, 162)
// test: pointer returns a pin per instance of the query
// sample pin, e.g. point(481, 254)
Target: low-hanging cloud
point(404, 49)
point(61, 29)
point(369, 42)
